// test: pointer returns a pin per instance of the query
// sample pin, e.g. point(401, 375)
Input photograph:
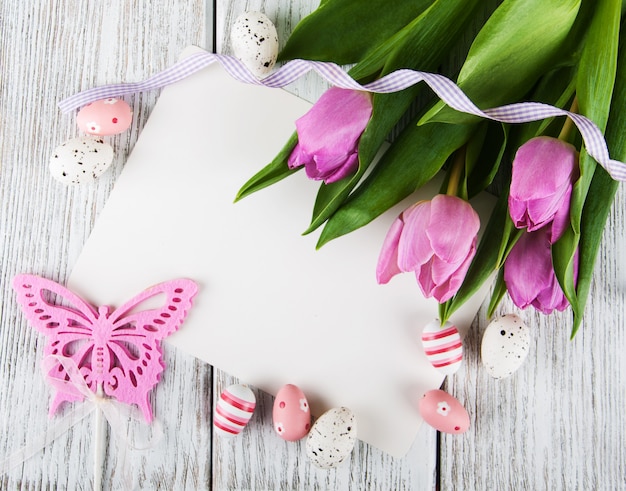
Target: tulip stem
point(569, 124)
point(455, 173)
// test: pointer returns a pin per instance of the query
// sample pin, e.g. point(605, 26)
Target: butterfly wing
point(134, 343)
point(68, 329)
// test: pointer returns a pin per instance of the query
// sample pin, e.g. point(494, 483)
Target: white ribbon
point(116, 413)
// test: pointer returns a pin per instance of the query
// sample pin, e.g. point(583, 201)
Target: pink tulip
point(529, 274)
point(544, 170)
point(437, 240)
point(328, 135)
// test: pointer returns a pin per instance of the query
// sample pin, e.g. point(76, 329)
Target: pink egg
point(443, 346)
point(106, 117)
point(233, 410)
point(291, 414)
point(443, 412)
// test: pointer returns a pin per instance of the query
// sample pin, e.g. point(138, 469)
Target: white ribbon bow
point(116, 413)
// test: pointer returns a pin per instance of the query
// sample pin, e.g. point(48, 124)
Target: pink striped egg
point(233, 410)
point(443, 346)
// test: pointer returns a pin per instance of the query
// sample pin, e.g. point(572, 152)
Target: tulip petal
point(425, 279)
point(540, 167)
point(542, 211)
point(550, 299)
point(448, 289)
point(414, 249)
point(561, 218)
point(528, 269)
point(349, 167)
point(297, 157)
point(452, 229)
point(543, 171)
point(387, 266)
point(334, 122)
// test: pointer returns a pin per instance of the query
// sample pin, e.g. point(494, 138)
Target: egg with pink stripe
point(443, 346)
point(233, 410)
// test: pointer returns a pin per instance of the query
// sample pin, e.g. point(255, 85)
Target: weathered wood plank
point(557, 423)
point(259, 459)
point(50, 50)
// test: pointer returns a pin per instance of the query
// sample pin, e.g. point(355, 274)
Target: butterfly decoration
point(117, 352)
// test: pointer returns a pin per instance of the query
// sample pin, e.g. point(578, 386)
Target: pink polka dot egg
point(444, 412)
point(291, 414)
point(105, 117)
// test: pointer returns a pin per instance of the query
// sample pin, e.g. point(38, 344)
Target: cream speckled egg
point(255, 42)
point(233, 410)
point(80, 160)
point(504, 346)
point(332, 438)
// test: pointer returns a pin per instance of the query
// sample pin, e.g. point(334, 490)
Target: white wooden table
point(558, 423)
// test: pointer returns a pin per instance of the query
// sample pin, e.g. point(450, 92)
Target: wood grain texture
point(52, 49)
point(260, 459)
point(558, 422)
point(555, 424)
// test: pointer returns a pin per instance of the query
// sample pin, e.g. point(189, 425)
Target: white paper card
point(271, 309)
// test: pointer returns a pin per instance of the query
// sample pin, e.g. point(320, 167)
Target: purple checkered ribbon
point(445, 89)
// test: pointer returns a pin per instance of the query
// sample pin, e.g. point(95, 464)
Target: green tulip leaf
point(423, 45)
point(519, 43)
point(596, 77)
point(602, 188)
point(273, 172)
point(498, 293)
point(414, 159)
point(488, 160)
point(595, 82)
point(343, 31)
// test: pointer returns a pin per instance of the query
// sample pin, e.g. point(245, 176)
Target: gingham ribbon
point(445, 89)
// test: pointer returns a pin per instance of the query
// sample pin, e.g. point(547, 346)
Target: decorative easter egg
point(443, 412)
point(80, 160)
point(291, 414)
point(332, 438)
point(106, 117)
point(233, 410)
point(255, 42)
point(504, 346)
point(443, 346)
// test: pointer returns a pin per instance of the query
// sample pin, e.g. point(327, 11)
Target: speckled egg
point(255, 42)
point(443, 346)
point(291, 414)
point(105, 117)
point(233, 410)
point(443, 412)
point(332, 438)
point(80, 160)
point(504, 345)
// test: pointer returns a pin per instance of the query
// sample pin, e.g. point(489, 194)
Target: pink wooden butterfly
point(118, 352)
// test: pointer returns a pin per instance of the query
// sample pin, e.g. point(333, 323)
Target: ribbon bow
point(115, 413)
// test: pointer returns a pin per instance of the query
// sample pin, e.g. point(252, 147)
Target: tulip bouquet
point(544, 233)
